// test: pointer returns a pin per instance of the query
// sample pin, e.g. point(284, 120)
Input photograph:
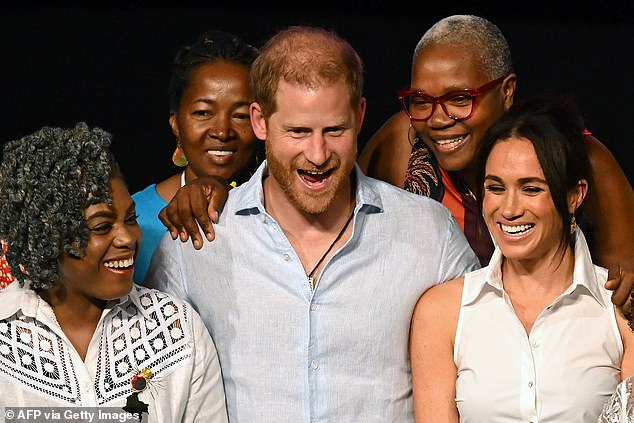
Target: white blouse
point(564, 370)
point(146, 329)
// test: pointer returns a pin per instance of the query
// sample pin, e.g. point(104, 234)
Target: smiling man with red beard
point(309, 287)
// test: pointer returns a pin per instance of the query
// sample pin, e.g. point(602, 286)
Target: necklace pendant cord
point(311, 281)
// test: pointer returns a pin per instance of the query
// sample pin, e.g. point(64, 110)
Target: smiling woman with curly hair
point(48, 179)
point(74, 329)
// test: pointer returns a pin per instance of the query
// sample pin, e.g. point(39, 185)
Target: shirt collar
point(584, 275)
point(250, 195)
point(16, 297)
point(584, 272)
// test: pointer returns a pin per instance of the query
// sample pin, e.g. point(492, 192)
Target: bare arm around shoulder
point(431, 351)
point(200, 200)
point(386, 154)
point(610, 208)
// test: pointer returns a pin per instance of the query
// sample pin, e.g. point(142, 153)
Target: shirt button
point(262, 218)
point(313, 307)
point(530, 384)
point(535, 344)
point(286, 257)
point(314, 365)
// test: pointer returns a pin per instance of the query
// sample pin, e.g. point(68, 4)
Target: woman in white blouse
point(533, 337)
point(75, 331)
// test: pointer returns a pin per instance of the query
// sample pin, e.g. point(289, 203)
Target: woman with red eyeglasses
point(462, 83)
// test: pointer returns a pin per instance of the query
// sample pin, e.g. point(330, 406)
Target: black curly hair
point(47, 179)
point(209, 47)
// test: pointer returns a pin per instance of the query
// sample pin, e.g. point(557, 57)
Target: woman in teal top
point(209, 99)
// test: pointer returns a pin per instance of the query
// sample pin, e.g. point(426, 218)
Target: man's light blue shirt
point(335, 354)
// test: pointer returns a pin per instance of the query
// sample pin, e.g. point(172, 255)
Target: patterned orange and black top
point(425, 177)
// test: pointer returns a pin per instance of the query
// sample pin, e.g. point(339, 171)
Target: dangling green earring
point(179, 158)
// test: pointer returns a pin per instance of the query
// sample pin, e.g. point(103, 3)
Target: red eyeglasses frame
point(474, 93)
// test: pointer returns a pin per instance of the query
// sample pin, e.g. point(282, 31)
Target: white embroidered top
point(620, 406)
point(39, 367)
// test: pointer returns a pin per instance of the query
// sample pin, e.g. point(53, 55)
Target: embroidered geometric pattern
point(39, 359)
point(131, 343)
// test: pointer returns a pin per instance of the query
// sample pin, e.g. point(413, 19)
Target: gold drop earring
point(179, 158)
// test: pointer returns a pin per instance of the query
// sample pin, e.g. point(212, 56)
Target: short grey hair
point(484, 37)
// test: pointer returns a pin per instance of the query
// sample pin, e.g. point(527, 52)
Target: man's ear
point(258, 122)
point(360, 113)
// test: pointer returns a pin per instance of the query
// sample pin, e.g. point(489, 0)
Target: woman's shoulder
point(150, 299)
point(147, 192)
point(439, 299)
point(156, 193)
point(449, 290)
point(158, 311)
point(437, 312)
point(155, 318)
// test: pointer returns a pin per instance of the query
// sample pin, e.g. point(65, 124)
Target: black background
point(109, 65)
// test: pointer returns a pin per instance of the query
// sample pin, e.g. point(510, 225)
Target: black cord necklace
point(312, 272)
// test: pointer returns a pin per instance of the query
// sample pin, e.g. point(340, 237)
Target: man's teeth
point(518, 229)
point(119, 264)
point(449, 141)
point(220, 152)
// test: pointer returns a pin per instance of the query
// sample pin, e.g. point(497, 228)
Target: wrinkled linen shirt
point(335, 354)
point(39, 367)
point(563, 371)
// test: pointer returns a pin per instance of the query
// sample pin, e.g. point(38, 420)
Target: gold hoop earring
point(179, 158)
point(411, 141)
